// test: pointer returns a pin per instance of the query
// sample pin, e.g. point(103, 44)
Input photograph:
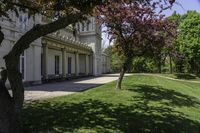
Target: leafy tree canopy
point(189, 31)
point(188, 42)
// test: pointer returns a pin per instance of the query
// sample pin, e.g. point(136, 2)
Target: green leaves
point(189, 31)
point(188, 40)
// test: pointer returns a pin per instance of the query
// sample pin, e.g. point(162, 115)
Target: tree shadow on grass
point(101, 117)
point(162, 95)
point(186, 76)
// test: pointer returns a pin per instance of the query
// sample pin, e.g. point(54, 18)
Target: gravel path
point(56, 89)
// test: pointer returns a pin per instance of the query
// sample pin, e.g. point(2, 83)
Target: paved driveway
point(67, 87)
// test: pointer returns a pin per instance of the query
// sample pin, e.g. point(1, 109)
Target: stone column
point(77, 64)
point(45, 61)
point(64, 63)
point(87, 64)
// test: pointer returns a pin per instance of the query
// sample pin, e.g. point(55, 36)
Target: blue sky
point(181, 7)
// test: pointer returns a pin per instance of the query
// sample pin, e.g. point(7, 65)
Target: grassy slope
point(147, 104)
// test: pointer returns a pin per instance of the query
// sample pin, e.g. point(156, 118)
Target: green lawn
point(147, 104)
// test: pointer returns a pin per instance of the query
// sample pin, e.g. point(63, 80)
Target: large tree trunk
point(6, 110)
point(121, 76)
point(124, 68)
point(7, 117)
point(14, 77)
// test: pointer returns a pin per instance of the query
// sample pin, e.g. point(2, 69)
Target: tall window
point(69, 65)
point(22, 65)
point(57, 64)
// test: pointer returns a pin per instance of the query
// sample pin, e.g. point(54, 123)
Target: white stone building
point(106, 62)
point(57, 55)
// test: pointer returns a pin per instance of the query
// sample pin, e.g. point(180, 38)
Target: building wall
point(13, 30)
point(92, 36)
point(105, 63)
point(4, 49)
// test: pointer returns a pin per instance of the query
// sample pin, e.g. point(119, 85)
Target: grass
point(147, 104)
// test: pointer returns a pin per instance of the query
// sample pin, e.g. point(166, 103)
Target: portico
point(64, 58)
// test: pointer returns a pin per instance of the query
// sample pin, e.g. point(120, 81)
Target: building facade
point(57, 55)
point(106, 63)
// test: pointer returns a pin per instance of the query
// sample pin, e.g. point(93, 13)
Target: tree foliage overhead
point(50, 8)
point(55, 8)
